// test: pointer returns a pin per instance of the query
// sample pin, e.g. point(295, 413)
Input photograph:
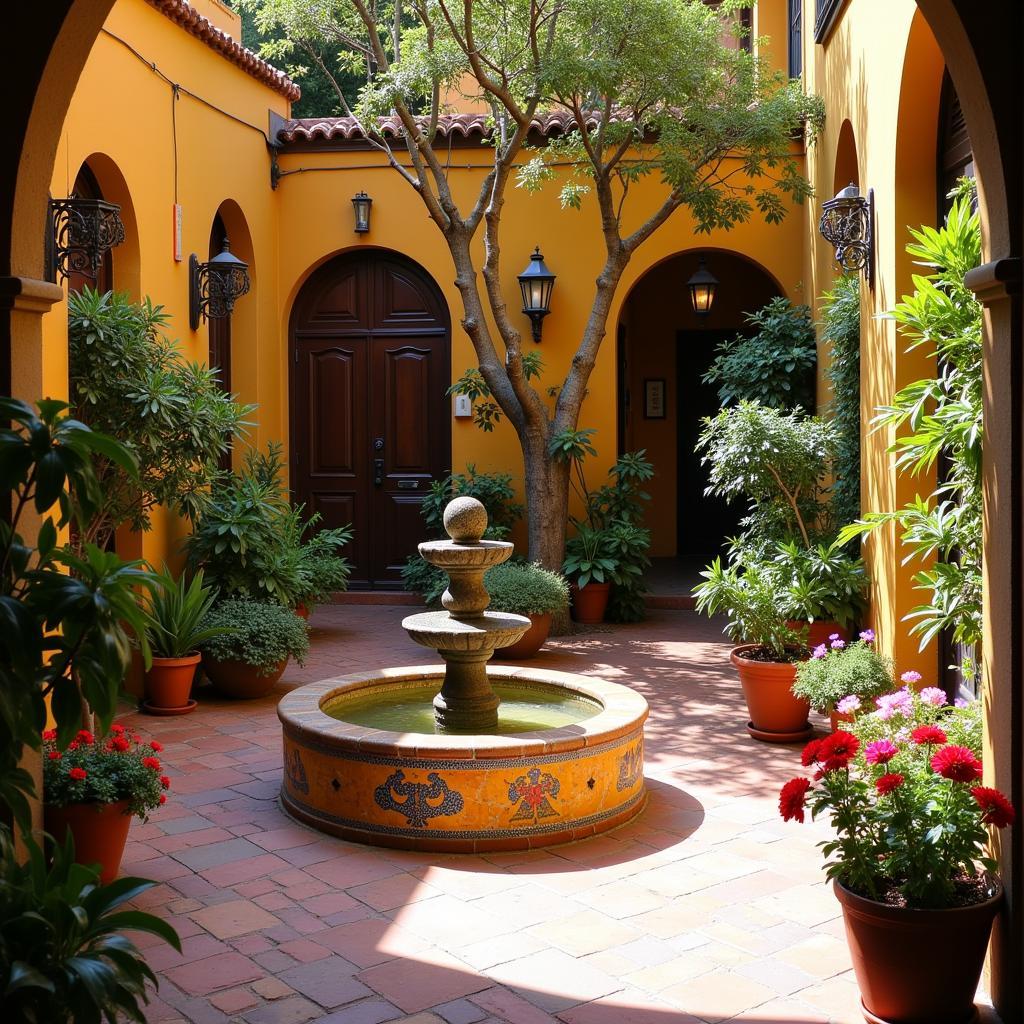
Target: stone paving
point(707, 907)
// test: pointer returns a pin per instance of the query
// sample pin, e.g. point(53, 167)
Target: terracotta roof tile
point(184, 14)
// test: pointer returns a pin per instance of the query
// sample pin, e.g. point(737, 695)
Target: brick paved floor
point(705, 908)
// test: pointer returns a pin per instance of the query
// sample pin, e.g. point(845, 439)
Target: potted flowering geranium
point(903, 791)
point(95, 786)
point(838, 673)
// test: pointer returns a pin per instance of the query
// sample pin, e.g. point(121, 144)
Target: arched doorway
point(664, 347)
point(370, 430)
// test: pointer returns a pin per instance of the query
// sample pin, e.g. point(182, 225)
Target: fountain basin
point(463, 793)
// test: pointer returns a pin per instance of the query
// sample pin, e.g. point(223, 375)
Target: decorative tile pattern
point(417, 805)
point(631, 767)
point(295, 771)
point(533, 792)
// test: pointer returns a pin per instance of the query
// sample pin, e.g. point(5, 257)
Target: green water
point(410, 709)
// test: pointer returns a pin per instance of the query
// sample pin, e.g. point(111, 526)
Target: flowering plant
point(837, 670)
point(104, 770)
point(902, 790)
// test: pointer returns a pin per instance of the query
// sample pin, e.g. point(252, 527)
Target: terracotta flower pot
point(818, 632)
point(302, 610)
point(241, 680)
point(776, 716)
point(838, 719)
point(530, 642)
point(917, 966)
point(169, 681)
point(589, 602)
point(100, 832)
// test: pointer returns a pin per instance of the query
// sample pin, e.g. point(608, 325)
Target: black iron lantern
point(703, 286)
point(214, 286)
point(536, 283)
point(81, 233)
point(847, 224)
point(361, 203)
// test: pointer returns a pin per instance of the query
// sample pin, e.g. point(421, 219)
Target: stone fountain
point(463, 757)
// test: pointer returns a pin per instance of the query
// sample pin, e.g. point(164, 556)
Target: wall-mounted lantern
point(847, 224)
point(536, 283)
point(81, 232)
point(703, 286)
point(214, 286)
point(361, 203)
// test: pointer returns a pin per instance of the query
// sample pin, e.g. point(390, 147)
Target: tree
point(645, 88)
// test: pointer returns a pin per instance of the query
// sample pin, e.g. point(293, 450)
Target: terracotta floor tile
point(431, 977)
point(626, 1007)
point(588, 931)
point(370, 942)
point(224, 970)
point(554, 980)
point(237, 917)
point(717, 996)
point(330, 982)
point(393, 891)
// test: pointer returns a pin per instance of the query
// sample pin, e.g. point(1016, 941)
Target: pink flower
point(887, 783)
point(819, 652)
point(837, 645)
point(910, 677)
point(933, 695)
point(848, 705)
point(961, 703)
point(868, 636)
point(880, 752)
point(899, 703)
point(834, 636)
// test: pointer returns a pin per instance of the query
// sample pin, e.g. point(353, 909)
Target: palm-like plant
point(175, 613)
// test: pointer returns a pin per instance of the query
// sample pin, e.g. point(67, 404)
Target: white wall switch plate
point(463, 406)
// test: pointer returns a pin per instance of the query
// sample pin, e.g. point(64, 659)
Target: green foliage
point(257, 633)
point(64, 636)
point(825, 582)
point(854, 670)
point(841, 332)
point(252, 543)
point(121, 767)
point(774, 365)
point(747, 596)
point(175, 611)
point(486, 413)
point(589, 556)
point(64, 954)
point(525, 588)
point(129, 380)
point(493, 490)
point(420, 577)
point(937, 416)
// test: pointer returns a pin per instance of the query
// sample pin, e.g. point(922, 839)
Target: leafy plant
point(129, 380)
point(824, 582)
point(526, 588)
point(104, 771)
point(902, 791)
point(747, 596)
point(841, 332)
point(842, 671)
point(261, 634)
point(774, 364)
point(64, 956)
point(942, 416)
point(427, 580)
point(175, 611)
point(323, 568)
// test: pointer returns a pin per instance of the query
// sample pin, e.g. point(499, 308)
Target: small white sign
point(463, 406)
point(177, 232)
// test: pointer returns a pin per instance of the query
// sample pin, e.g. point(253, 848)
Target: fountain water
point(364, 758)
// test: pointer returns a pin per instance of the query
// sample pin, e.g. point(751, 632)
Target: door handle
point(378, 472)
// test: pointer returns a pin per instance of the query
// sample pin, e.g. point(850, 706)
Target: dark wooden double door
point(370, 428)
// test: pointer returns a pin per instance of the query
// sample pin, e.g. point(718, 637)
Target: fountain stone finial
point(465, 634)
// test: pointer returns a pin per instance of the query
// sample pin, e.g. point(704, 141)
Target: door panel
point(370, 426)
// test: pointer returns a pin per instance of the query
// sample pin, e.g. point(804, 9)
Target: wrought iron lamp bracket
point(80, 233)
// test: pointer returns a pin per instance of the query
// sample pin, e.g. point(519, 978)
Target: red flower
point(165, 782)
point(997, 809)
point(792, 797)
point(73, 745)
point(887, 783)
point(54, 755)
point(956, 763)
point(810, 754)
point(50, 735)
point(153, 745)
point(77, 774)
point(839, 747)
point(120, 744)
point(117, 730)
point(928, 734)
point(151, 762)
point(84, 736)
point(163, 798)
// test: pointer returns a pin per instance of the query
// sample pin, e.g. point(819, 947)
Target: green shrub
point(427, 580)
point(775, 365)
point(175, 610)
point(856, 670)
point(321, 564)
point(825, 582)
point(525, 588)
point(262, 634)
point(493, 490)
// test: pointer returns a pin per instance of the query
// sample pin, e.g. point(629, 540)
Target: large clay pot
point(169, 681)
point(589, 602)
point(818, 632)
point(917, 966)
point(241, 680)
point(776, 716)
point(530, 642)
point(99, 830)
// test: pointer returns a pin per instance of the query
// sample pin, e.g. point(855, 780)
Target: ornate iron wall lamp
point(214, 286)
point(536, 283)
point(361, 204)
point(703, 286)
point(81, 232)
point(847, 224)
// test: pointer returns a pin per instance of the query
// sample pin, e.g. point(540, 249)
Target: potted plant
point(247, 661)
point(590, 565)
point(840, 678)
point(324, 571)
point(95, 786)
point(524, 588)
point(175, 613)
point(903, 792)
point(768, 652)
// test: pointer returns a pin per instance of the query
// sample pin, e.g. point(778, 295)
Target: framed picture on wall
point(654, 398)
